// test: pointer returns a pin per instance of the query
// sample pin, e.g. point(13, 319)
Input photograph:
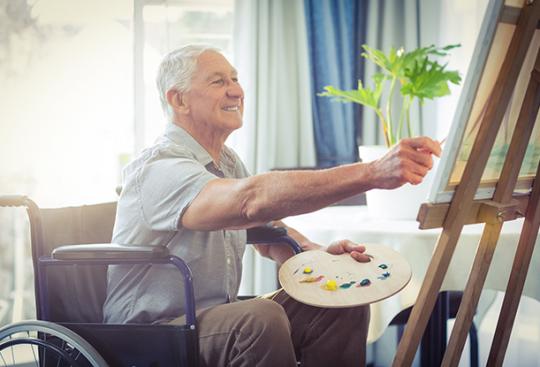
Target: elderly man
point(192, 194)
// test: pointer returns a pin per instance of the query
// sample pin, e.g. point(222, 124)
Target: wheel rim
point(60, 353)
point(34, 338)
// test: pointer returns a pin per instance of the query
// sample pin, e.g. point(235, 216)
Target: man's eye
point(218, 81)
point(235, 80)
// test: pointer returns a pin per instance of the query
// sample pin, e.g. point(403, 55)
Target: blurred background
point(78, 97)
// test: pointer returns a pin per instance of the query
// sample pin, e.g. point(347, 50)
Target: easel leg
point(427, 297)
point(471, 294)
point(518, 275)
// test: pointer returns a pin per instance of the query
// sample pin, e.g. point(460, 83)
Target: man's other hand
point(356, 251)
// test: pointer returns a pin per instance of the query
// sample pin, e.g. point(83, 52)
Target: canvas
point(494, 38)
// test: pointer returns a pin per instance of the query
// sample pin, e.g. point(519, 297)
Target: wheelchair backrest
point(76, 292)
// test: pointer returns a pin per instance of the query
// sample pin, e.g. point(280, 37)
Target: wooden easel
point(504, 205)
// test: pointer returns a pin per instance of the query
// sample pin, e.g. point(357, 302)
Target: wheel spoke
point(32, 349)
point(12, 354)
point(2, 357)
point(63, 348)
point(59, 360)
point(78, 354)
point(34, 354)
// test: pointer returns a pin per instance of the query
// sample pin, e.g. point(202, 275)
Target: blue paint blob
point(365, 282)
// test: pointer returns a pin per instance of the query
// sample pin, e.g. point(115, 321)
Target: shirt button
point(229, 261)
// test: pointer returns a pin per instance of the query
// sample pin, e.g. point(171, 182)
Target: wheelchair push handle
point(13, 200)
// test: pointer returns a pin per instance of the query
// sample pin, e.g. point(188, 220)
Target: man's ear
point(177, 101)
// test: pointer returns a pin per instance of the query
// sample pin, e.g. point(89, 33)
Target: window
point(65, 98)
point(160, 27)
point(77, 101)
point(66, 110)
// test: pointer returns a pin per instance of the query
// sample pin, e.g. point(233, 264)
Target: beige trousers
point(278, 331)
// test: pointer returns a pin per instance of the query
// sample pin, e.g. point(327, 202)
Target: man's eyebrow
point(234, 73)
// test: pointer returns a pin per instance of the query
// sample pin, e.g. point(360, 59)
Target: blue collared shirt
point(158, 186)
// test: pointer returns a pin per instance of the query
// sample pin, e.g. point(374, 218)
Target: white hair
point(176, 71)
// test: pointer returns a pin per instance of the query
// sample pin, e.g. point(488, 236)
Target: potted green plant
point(403, 78)
point(417, 74)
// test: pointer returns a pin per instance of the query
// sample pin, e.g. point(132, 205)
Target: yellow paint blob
point(308, 270)
point(330, 285)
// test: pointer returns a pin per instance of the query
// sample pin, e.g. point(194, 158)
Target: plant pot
point(401, 203)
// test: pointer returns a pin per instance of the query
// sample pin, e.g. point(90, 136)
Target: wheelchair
point(71, 250)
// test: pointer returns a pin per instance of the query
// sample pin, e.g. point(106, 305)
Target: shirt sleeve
point(167, 184)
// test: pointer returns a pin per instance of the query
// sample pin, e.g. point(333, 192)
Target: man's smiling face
point(215, 98)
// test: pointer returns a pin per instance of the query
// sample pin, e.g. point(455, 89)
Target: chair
point(71, 250)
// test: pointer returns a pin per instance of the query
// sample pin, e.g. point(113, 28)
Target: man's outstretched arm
point(259, 199)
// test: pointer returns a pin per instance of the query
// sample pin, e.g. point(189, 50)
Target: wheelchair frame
point(109, 254)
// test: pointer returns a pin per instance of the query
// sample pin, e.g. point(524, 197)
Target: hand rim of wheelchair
point(55, 330)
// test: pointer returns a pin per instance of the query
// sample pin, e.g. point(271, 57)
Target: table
point(354, 223)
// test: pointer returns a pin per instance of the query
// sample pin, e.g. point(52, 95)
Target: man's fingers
point(351, 246)
point(356, 251)
point(414, 178)
point(343, 246)
point(360, 257)
point(423, 158)
point(411, 172)
point(417, 174)
point(425, 144)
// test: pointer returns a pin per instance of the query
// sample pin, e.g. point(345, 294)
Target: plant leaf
point(428, 79)
point(377, 57)
point(364, 96)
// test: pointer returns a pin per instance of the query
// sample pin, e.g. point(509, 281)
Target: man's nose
point(235, 91)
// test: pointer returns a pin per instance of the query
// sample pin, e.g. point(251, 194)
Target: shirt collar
point(180, 136)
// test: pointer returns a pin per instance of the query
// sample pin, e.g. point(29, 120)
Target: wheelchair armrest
point(272, 235)
point(265, 234)
point(109, 251)
point(112, 253)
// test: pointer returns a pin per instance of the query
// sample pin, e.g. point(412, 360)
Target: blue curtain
point(336, 31)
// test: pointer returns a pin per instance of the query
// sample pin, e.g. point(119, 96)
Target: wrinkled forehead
point(211, 63)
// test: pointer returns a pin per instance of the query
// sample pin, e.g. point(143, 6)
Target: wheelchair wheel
point(42, 343)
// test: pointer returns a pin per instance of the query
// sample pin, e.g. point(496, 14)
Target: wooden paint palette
point(320, 279)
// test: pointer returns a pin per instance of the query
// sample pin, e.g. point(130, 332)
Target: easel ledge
point(482, 211)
